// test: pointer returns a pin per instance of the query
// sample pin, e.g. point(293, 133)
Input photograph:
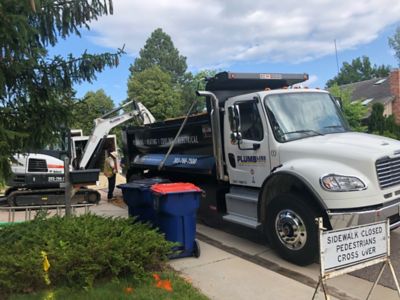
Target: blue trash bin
point(176, 206)
point(138, 197)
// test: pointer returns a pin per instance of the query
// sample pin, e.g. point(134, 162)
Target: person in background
point(110, 171)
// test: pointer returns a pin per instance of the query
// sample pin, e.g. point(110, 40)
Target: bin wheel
point(196, 249)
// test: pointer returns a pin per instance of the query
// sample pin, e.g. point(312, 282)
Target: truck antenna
point(337, 59)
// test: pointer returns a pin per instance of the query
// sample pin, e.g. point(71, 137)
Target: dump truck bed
point(147, 145)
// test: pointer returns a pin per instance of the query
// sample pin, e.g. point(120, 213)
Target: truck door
point(246, 142)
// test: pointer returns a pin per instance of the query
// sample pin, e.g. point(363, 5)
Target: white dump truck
point(273, 157)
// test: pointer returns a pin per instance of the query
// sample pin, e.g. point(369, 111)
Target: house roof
point(371, 91)
point(384, 100)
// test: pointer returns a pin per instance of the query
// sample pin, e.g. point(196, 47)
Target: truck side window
point(250, 121)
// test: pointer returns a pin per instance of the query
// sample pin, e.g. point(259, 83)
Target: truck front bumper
point(347, 218)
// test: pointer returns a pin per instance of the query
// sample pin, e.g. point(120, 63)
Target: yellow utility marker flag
point(46, 264)
point(46, 267)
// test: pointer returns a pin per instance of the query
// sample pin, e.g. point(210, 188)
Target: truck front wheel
point(291, 229)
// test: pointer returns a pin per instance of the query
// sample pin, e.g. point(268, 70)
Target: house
point(379, 90)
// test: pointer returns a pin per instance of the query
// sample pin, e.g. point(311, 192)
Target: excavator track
point(51, 197)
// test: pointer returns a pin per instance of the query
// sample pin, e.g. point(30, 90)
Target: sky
point(267, 36)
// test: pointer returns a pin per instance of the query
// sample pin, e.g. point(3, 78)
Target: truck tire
point(291, 229)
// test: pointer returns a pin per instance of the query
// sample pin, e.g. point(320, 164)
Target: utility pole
point(67, 187)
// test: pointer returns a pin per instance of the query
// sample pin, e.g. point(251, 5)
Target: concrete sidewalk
point(221, 275)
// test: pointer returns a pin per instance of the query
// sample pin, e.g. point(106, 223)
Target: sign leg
point(377, 280)
point(394, 277)
point(324, 288)
point(316, 289)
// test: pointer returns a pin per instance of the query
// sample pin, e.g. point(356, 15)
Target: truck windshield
point(299, 115)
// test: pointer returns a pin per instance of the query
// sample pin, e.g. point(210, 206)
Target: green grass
point(117, 290)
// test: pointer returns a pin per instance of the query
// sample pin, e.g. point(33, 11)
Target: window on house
point(367, 101)
point(380, 81)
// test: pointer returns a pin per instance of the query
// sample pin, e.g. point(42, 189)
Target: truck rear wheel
point(291, 229)
point(134, 176)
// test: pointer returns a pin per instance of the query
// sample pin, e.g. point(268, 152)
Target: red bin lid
point(171, 188)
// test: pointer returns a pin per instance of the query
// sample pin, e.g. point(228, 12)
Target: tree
point(161, 59)
point(193, 84)
point(394, 43)
point(376, 122)
point(382, 125)
point(354, 112)
point(36, 89)
point(391, 128)
point(159, 50)
point(153, 87)
point(93, 105)
point(360, 69)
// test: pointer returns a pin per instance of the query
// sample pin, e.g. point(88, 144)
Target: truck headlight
point(339, 183)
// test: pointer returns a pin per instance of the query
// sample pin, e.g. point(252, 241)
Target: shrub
point(80, 250)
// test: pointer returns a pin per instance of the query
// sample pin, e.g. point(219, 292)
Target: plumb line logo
point(251, 159)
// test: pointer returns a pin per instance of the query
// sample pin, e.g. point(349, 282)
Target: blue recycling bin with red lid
point(176, 206)
point(139, 199)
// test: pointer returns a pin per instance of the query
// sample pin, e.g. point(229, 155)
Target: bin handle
point(203, 193)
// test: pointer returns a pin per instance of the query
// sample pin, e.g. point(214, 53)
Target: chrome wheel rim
point(290, 229)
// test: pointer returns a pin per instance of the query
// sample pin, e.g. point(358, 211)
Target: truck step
point(242, 202)
point(252, 223)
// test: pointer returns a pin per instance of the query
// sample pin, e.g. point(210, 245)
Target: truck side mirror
point(339, 101)
point(236, 136)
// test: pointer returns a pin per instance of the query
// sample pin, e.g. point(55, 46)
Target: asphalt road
point(371, 273)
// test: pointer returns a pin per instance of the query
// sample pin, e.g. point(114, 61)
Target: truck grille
point(388, 170)
point(37, 165)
